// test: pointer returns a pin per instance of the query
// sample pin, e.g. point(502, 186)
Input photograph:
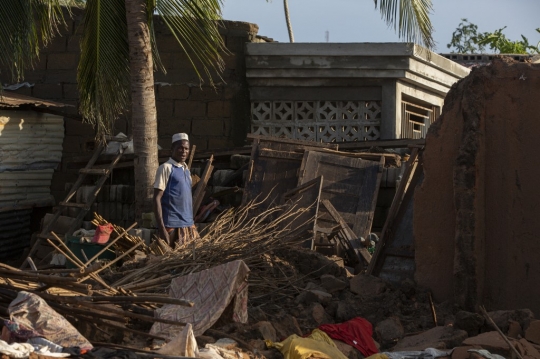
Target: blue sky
point(358, 21)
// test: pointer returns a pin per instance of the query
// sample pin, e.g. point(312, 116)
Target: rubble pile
point(298, 291)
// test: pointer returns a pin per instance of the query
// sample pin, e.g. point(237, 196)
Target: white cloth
point(164, 172)
point(16, 350)
point(184, 344)
point(23, 350)
point(214, 352)
point(485, 353)
point(179, 137)
point(429, 353)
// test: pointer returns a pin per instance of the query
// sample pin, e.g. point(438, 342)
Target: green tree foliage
point(467, 40)
point(497, 41)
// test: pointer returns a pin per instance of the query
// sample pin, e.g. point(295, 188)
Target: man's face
point(180, 151)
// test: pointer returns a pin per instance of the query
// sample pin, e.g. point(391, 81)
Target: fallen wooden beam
point(198, 196)
point(348, 233)
point(364, 145)
point(412, 165)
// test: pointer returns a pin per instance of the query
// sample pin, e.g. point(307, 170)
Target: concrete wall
point(215, 118)
point(475, 216)
point(299, 90)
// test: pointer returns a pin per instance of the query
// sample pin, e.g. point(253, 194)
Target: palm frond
point(25, 25)
point(103, 75)
point(410, 18)
point(195, 25)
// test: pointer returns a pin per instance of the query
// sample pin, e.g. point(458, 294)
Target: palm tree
point(119, 55)
point(288, 20)
point(118, 58)
point(410, 18)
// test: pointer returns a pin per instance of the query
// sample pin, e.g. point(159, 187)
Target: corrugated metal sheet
point(30, 140)
point(25, 187)
point(31, 148)
point(13, 99)
point(15, 234)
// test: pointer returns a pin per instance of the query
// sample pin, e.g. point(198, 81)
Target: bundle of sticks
point(64, 291)
point(234, 235)
point(80, 294)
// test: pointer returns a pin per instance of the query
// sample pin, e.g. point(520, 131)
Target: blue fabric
point(177, 201)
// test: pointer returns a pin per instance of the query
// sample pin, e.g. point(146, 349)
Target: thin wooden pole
point(113, 261)
point(110, 244)
point(486, 315)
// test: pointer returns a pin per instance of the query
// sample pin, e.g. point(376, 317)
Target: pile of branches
point(64, 291)
point(235, 235)
point(84, 295)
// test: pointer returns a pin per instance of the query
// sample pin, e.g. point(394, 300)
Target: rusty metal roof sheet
point(13, 99)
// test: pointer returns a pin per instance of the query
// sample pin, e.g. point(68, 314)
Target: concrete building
point(332, 92)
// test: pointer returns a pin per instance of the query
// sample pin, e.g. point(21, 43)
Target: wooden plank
point(290, 141)
point(404, 185)
point(304, 196)
point(198, 196)
point(351, 185)
point(365, 155)
point(191, 154)
point(349, 236)
point(268, 152)
point(365, 145)
point(395, 260)
point(272, 171)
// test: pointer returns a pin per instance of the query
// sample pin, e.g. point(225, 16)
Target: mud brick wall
point(214, 117)
point(476, 213)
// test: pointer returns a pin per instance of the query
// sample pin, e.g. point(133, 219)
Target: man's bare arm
point(159, 215)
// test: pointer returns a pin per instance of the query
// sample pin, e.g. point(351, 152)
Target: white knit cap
point(179, 137)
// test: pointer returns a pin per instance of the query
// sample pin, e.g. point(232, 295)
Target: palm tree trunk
point(288, 20)
point(143, 108)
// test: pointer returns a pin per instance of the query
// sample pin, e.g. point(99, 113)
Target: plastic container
point(103, 233)
point(90, 249)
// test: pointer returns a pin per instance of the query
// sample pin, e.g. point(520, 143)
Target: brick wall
point(214, 117)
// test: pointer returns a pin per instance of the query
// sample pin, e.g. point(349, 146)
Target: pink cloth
point(357, 332)
point(218, 293)
point(33, 313)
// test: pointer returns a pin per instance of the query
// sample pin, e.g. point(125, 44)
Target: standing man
point(172, 196)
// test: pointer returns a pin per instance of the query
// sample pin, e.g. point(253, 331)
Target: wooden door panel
point(350, 184)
